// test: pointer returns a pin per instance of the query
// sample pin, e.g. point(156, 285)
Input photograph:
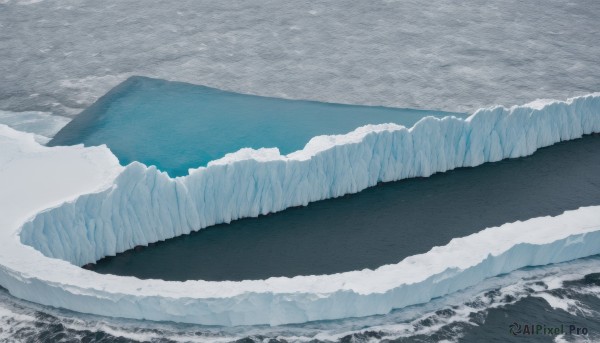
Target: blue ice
point(176, 126)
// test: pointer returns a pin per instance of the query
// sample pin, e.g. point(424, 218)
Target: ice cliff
point(76, 204)
point(145, 205)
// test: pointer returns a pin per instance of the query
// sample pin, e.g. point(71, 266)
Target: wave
point(144, 205)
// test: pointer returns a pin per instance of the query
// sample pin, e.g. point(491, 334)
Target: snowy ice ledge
point(143, 205)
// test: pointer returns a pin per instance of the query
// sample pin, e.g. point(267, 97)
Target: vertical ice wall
point(145, 205)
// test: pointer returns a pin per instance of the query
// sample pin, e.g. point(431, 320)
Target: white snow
point(110, 209)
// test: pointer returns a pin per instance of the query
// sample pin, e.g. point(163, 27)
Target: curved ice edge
point(328, 166)
point(417, 279)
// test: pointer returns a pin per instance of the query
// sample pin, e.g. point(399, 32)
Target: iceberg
point(91, 207)
point(146, 205)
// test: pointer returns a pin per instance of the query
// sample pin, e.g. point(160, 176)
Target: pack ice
point(67, 206)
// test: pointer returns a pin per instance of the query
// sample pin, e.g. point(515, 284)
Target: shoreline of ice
point(109, 204)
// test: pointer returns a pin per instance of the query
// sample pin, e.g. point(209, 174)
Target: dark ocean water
point(380, 225)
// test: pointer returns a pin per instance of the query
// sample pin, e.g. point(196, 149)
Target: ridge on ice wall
point(42, 195)
point(146, 206)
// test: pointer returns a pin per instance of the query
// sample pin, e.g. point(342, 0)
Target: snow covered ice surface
point(60, 56)
point(111, 208)
point(450, 317)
